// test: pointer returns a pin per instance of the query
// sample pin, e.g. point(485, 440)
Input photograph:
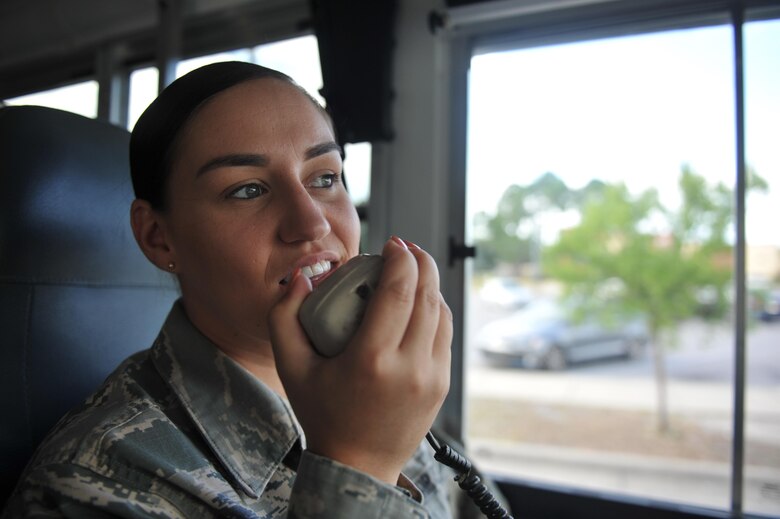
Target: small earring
point(171, 266)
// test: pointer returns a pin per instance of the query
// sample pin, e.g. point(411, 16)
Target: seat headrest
point(65, 194)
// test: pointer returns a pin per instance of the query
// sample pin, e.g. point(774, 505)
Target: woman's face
point(255, 192)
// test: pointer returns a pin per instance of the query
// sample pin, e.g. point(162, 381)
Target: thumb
point(292, 350)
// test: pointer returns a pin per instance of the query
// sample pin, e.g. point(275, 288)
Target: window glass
point(299, 58)
point(144, 82)
point(80, 98)
point(357, 171)
point(599, 333)
point(762, 111)
point(357, 175)
point(143, 90)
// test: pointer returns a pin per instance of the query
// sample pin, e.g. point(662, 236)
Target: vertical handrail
point(170, 17)
point(738, 441)
point(113, 85)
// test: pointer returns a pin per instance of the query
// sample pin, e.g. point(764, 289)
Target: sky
point(632, 109)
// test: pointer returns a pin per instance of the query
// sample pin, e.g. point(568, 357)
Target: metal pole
point(738, 442)
point(169, 40)
point(113, 86)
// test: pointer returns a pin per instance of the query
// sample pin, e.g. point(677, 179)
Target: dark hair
point(154, 135)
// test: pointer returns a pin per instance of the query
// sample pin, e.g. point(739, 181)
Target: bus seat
point(76, 294)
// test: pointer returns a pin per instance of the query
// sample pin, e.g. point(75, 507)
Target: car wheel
point(555, 360)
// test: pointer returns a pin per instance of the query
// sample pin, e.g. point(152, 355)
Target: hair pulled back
point(154, 135)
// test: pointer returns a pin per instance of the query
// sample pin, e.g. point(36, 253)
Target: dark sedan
point(547, 335)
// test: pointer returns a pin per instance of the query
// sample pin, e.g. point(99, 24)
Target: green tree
point(662, 259)
point(507, 236)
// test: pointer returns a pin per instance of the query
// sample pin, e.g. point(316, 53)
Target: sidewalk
point(639, 393)
point(636, 471)
point(688, 482)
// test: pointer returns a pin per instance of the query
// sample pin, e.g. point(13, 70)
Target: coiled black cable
point(467, 481)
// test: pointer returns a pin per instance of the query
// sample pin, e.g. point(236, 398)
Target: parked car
point(546, 335)
point(505, 292)
point(771, 309)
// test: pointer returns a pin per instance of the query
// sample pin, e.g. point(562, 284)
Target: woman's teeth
point(318, 268)
point(310, 271)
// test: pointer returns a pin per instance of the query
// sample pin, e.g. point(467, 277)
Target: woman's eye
point(327, 180)
point(247, 191)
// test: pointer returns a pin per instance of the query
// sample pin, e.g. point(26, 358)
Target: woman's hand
point(370, 406)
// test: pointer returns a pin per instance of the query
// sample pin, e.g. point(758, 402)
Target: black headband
point(157, 128)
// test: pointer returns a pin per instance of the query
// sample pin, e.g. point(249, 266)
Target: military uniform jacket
point(181, 430)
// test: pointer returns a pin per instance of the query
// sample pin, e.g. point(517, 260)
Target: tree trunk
point(659, 364)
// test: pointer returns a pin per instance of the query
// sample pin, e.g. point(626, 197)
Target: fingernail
point(412, 245)
point(296, 275)
point(399, 242)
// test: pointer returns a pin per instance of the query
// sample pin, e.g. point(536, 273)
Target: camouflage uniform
point(180, 430)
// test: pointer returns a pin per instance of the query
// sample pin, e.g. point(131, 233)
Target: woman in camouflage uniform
point(231, 413)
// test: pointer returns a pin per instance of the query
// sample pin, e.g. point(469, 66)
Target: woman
point(231, 412)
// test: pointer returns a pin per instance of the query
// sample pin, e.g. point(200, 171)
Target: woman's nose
point(303, 218)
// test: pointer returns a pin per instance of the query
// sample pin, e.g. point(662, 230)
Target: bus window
point(80, 98)
point(600, 331)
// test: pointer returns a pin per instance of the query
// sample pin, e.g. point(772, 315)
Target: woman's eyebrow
point(322, 149)
point(259, 161)
point(234, 160)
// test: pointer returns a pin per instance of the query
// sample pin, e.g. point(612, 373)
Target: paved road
point(698, 352)
point(684, 481)
point(709, 403)
point(700, 365)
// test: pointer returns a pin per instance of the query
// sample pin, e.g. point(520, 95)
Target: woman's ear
point(149, 231)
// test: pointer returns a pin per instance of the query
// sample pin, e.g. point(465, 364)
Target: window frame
point(514, 25)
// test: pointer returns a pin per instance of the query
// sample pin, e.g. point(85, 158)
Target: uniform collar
point(248, 427)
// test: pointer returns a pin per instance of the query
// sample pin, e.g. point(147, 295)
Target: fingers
point(429, 334)
point(427, 302)
point(290, 344)
point(384, 323)
point(442, 346)
point(408, 312)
